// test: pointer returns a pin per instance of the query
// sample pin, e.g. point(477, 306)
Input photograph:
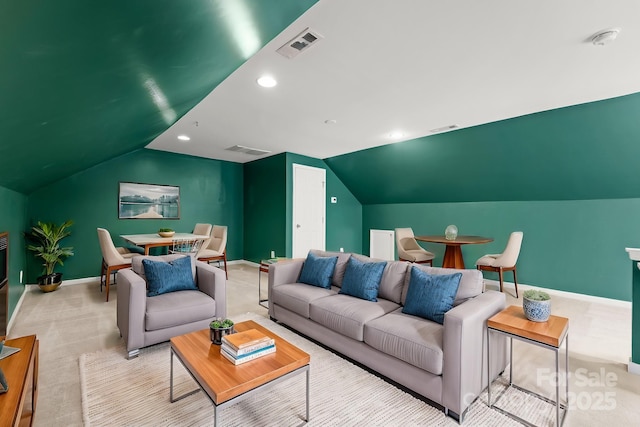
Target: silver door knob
point(297, 225)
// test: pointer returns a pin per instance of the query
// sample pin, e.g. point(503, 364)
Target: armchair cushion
point(164, 277)
point(431, 296)
point(318, 271)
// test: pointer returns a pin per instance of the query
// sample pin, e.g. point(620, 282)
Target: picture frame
point(148, 201)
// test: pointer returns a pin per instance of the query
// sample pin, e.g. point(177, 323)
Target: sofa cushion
point(317, 271)
point(409, 338)
point(470, 283)
point(164, 277)
point(362, 279)
point(431, 296)
point(341, 264)
point(296, 297)
point(178, 308)
point(393, 280)
point(138, 268)
point(347, 315)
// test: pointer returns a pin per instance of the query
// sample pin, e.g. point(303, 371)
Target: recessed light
point(267, 81)
point(183, 138)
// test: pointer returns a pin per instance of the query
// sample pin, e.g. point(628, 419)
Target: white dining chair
point(217, 248)
point(506, 261)
point(410, 250)
point(113, 258)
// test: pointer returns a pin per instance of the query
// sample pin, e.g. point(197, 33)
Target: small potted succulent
point(219, 328)
point(536, 305)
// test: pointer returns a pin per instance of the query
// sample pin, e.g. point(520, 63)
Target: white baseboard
point(633, 368)
point(582, 297)
point(13, 315)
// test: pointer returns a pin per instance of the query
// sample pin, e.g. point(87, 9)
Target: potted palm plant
point(44, 241)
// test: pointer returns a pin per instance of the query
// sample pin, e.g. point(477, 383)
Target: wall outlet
point(341, 249)
point(20, 276)
point(273, 254)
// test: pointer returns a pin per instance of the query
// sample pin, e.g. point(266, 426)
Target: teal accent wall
point(83, 82)
point(575, 246)
point(583, 152)
point(13, 207)
point(268, 208)
point(265, 210)
point(210, 191)
point(344, 219)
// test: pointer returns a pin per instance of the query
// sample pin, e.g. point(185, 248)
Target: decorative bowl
point(166, 233)
point(536, 311)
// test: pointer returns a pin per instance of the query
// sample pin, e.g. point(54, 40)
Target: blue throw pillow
point(318, 271)
point(431, 296)
point(164, 277)
point(362, 279)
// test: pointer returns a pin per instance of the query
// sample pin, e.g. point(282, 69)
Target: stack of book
point(244, 346)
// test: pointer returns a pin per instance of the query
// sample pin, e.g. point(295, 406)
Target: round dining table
point(453, 251)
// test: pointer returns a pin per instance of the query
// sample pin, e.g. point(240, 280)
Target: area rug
point(121, 392)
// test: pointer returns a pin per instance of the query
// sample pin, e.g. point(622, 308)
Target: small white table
point(148, 241)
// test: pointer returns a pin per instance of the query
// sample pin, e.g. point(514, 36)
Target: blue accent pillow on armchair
point(318, 271)
point(431, 296)
point(164, 277)
point(362, 279)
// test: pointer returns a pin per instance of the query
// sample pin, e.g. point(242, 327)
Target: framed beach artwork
point(148, 201)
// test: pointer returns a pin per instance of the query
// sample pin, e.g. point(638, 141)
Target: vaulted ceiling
point(83, 82)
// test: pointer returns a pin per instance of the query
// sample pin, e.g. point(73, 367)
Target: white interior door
point(309, 206)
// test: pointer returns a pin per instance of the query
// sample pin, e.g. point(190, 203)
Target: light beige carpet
point(120, 392)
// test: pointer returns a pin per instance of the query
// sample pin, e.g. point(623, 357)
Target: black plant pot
point(50, 282)
point(218, 333)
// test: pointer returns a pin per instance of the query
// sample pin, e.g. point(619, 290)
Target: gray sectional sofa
point(444, 363)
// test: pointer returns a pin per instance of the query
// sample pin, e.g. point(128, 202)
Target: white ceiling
point(413, 66)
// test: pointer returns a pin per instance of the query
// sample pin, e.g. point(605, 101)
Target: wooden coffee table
point(225, 383)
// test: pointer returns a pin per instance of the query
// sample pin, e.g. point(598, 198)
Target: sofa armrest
point(465, 352)
point(283, 273)
point(213, 282)
point(131, 308)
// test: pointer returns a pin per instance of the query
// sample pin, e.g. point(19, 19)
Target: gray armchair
point(144, 321)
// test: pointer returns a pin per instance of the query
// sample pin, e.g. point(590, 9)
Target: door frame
point(293, 205)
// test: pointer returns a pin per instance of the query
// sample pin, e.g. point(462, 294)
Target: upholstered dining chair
point(203, 230)
point(409, 249)
point(506, 261)
point(216, 250)
point(113, 258)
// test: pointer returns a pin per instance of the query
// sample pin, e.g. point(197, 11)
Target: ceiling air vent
point(444, 128)
point(247, 150)
point(299, 43)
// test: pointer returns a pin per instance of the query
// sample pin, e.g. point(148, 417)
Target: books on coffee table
point(238, 360)
point(245, 346)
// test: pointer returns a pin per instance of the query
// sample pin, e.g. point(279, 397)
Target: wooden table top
point(513, 321)
point(223, 380)
point(460, 240)
point(15, 368)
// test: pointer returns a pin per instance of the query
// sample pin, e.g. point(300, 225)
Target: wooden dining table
point(148, 241)
point(453, 251)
